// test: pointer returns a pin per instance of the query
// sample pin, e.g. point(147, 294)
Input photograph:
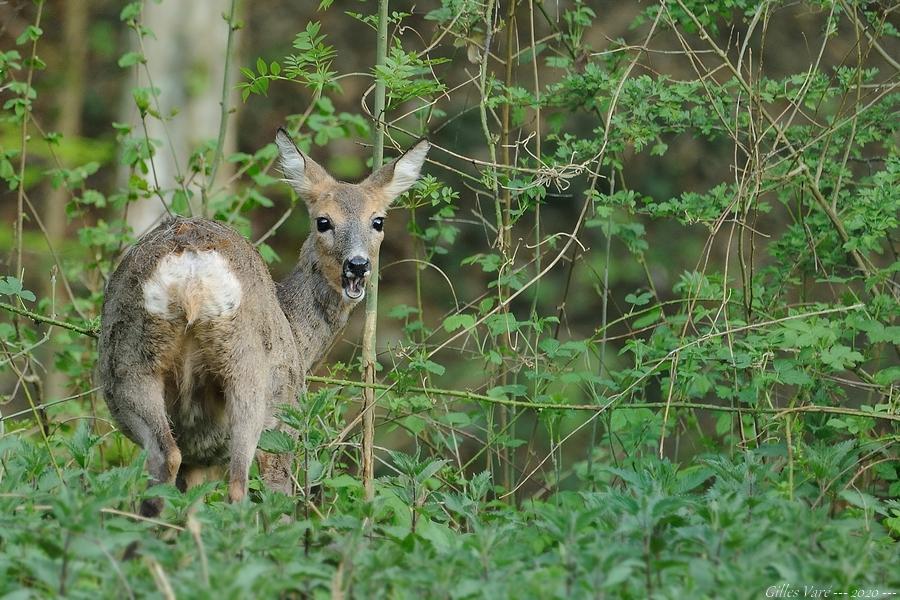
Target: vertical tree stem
point(223, 115)
point(368, 348)
point(506, 457)
point(492, 151)
point(23, 153)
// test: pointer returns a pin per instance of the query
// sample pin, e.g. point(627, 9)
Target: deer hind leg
point(246, 407)
point(141, 412)
point(276, 469)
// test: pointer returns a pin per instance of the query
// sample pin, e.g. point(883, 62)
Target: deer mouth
point(354, 287)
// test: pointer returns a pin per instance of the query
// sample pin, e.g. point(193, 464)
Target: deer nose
point(359, 266)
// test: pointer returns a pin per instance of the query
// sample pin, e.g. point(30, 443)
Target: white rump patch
point(194, 286)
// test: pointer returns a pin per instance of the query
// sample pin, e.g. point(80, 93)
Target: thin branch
point(600, 408)
point(39, 318)
point(46, 405)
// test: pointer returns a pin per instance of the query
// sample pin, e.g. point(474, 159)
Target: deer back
point(191, 276)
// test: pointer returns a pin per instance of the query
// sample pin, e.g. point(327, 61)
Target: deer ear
point(300, 171)
point(400, 174)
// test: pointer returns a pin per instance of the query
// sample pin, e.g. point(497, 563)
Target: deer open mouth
point(354, 287)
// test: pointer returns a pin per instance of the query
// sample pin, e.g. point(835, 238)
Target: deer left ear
point(399, 175)
point(300, 171)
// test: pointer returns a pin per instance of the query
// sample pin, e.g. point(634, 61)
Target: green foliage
point(10, 286)
point(311, 66)
point(680, 247)
point(643, 529)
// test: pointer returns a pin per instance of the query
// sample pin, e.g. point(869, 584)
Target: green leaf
point(141, 99)
point(454, 322)
point(277, 442)
point(129, 59)
point(888, 376)
point(648, 319)
point(343, 481)
point(789, 373)
point(93, 198)
point(31, 34)
point(10, 286)
point(431, 469)
point(414, 424)
point(433, 367)
point(863, 500)
point(840, 357)
point(131, 11)
point(501, 323)
point(639, 299)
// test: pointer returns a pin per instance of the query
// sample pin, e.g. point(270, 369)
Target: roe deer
point(199, 347)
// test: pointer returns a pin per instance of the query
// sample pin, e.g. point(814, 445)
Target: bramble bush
point(595, 383)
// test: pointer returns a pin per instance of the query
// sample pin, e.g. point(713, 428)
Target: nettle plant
point(678, 248)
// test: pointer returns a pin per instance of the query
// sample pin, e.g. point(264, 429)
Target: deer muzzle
point(353, 277)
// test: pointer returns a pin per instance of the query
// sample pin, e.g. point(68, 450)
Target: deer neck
point(316, 312)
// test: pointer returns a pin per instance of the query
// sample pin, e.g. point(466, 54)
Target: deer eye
point(323, 224)
point(378, 223)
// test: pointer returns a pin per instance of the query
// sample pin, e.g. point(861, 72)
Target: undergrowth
point(721, 526)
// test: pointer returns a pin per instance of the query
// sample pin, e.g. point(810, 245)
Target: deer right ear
point(300, 171)
point(400, 174)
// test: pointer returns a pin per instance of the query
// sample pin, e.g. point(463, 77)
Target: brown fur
point(196, 391)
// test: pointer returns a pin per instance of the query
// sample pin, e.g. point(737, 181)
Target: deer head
point(347, 220)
